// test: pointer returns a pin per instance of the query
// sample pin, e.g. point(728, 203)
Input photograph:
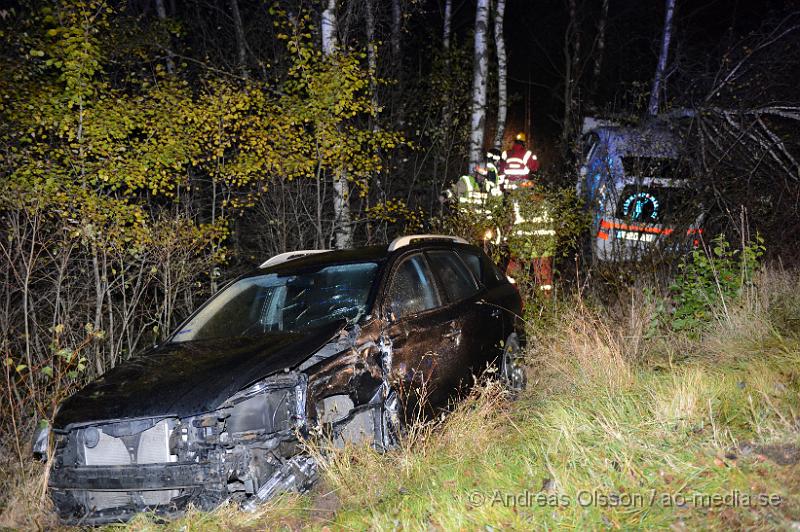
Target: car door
point(490, 309)
point(461, 292)
point(418, 329)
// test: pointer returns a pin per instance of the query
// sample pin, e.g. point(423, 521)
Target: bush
point(711, 279)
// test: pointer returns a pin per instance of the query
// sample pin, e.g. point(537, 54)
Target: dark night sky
point(535, 37)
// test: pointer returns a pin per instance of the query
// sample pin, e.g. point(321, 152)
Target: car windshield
point(284, 302)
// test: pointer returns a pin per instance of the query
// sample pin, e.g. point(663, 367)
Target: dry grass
point(604, 415)
point(587, 349)
point(23, 506)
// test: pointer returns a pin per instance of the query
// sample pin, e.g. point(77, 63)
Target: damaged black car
point(345, 345)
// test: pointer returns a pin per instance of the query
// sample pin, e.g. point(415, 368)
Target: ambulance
point(639, 190)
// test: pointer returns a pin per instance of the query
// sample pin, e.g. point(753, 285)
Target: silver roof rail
point(290, 255)
point(403, 241)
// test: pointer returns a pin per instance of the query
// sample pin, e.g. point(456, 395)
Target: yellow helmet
point(521, 137)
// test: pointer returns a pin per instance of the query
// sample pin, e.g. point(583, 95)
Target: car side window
point(412, 289)
point(482, 267)
point(473, 262)
point(454, 276)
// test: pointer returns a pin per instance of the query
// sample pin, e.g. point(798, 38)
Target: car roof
point(379, 253)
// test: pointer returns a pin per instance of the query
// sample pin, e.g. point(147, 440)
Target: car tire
point(512, 369)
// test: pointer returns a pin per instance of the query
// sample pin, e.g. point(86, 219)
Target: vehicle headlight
point(41, 440)
point(276, 404)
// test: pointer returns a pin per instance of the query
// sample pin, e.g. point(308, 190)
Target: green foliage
point(396, 211)
point(709, 280)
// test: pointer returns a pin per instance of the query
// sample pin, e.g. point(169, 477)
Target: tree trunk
point(328, 23)
point(342, 227)
point(397, 25)
point(572, 50)
point(600, 49)
point(448, 17)
point(161, 11)
point(502, 93)
point(655, 91)
point(479, 78)
point(372, 48)
point(241, 44)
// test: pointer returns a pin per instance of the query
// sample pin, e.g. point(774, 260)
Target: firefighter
point(492, 171)
point(469, 192)
point(493, 203)
point(518, 163)
point(532, 237)
point(476, 200)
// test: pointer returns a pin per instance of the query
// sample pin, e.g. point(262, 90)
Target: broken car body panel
point(203, 420)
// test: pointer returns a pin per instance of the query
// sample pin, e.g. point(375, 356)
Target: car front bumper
point(106, 494)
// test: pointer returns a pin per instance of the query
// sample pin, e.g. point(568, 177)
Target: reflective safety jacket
point(533, 233)
point(518, 164)
point(470, 193)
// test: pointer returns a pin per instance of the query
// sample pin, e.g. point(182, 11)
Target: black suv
point(339, 344)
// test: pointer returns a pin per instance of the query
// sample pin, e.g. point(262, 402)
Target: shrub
point(711, 279)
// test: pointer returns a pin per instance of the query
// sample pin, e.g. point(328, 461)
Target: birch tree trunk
point(655, 91)
point(162, 16)
point(479, 79)
point(328, 24)
point(241, 44)
point(448, 17)
point(502, 92)
point(342, 227)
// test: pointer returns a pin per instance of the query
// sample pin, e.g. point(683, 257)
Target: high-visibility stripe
point(604, 224)
point(467, 181)
point(474, 201)
point(644, 229)
point(517, 171)
point(535, 232)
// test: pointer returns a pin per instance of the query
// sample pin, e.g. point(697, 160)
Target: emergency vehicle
point(639, 191)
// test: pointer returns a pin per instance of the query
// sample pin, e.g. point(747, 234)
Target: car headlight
point(41, 440)
point(276, 404)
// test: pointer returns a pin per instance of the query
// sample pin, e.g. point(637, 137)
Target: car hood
point(185, 379)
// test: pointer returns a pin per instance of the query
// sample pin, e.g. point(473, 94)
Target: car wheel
point(512, 369)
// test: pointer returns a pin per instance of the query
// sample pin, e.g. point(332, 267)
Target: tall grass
point(620, 428)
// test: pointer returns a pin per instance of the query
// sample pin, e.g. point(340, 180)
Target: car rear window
point(455, 278)
point(659, 167)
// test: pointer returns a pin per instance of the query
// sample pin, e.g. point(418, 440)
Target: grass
point(618, 430)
